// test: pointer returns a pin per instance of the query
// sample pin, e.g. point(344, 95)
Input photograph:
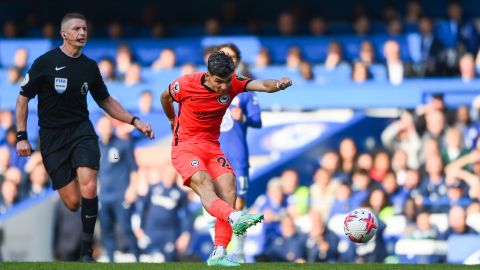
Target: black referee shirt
point(62, 83)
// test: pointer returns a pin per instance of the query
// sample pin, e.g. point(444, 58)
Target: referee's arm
point(115, 110)
point(21, 113)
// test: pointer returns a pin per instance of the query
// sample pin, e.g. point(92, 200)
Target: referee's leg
point(87, 179)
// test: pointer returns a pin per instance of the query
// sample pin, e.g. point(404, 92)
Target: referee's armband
point(22, 136)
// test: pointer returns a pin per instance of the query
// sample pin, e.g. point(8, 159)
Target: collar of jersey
point(204, 85)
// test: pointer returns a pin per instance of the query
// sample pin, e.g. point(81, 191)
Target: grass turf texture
point(259, 266)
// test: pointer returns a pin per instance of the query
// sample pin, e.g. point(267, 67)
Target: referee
point(62, 78)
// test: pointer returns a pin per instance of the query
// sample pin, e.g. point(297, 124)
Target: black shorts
point(64, 150)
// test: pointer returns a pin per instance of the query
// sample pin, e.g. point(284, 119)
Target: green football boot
point(222, 261)
point(244, 222)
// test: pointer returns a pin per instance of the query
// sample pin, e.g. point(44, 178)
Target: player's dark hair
point(220, 64)
point(234, 48)
point(72, 15)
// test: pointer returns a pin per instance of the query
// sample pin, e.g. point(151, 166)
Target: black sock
point(89, 213)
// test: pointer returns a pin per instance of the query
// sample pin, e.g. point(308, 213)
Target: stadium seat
point(35, 48)
point(460, 247)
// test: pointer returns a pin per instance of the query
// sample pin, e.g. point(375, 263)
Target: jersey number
point(223, 161)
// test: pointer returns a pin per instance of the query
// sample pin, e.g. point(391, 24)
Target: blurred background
point(383, 114)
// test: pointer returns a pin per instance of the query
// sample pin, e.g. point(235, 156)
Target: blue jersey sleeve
point(251, 108)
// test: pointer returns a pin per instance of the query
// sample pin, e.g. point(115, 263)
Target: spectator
point(49, 30)
point(461, 30)
point(394, 27)
point(396, 68)
point(158, 30)
point(133, 75)
point(413, 11)
point(334, 55)
point(38, 181)
point(164, 205)
point(4, 161)
point(166, 60)
point(11, 143)
point(430, 49)
point(124, 59)
point(381, 165)
point(115, 30)
point(342, 203)
point(306, 71)
point(187, 69)
point(380, 204)
point(296, 196)
point(330, 161)
point(456, 195)
point(263, 58)
point(9, 192)
point(294, 58)
point(367, 53)
point(322, 192)
point(289, 246)
point(402, 134)
point(454, 148)
point(145, 102)
point(467, 68)
point(360, 187)
point(412, 186)
point(20, 60)
point(348, 156)
point(434, 188)
point(397, 195)
point(318, 26)
point(10, 29)
point(457, 223)
point(68, 233)
point(107, 69)
point(435, 127)
point(400, 165)
point(470, 130)
point(212, 27)
point(424, 229)
point(322, 244)
point(360, 73)
point(14, 75)
point(390, 12)
point(365, 162)
point(361, 26)
point(287, 24)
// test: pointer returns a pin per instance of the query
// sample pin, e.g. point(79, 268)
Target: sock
point(240, 244)
point(221, 209)
point(233, 216)
point(89, 213)
point(223, 233)
point(218, 251)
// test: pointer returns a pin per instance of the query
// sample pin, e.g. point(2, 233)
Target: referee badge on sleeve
point(60, 85)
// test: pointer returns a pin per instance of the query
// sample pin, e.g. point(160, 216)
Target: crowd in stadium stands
point(428, 167)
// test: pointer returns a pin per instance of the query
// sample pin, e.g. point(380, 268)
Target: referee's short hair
point(220, 64)
point(72, 15)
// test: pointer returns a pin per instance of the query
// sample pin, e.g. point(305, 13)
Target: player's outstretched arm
point(269, 86)
point(21, 112)
point(115, 110)
point(167, 104)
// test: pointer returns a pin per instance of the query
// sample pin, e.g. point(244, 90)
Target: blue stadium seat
point(340, 74)
point(249, 45)
point(379, 72)
point(187, 50)
point(35, 48)
point(462, 246)
point(98, 49)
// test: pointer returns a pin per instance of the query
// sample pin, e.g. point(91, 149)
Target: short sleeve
point(33, 80)
point(175, 89)
point(99, 90)
point(239, 83)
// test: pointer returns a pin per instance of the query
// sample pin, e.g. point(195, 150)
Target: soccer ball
point(360, 225)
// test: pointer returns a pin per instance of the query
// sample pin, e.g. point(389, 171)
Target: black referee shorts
point(64, 150)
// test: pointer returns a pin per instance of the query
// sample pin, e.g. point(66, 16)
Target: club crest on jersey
point(176, 87)
point(195, 163)
point(223, 99)
point(84, 88)
point(60, 85)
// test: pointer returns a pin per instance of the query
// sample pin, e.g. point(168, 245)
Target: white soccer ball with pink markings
point(360, 225)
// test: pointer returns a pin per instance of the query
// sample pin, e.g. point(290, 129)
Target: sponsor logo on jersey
point(84, 88)
point(195, 163)
point(25, 80)
point(223, 99)
point(60, 85)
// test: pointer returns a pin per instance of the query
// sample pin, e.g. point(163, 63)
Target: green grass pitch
point(259, 266)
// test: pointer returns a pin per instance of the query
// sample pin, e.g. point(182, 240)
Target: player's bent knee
point(72, 204)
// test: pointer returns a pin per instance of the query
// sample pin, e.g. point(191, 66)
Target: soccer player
point(244, 112)
point(203, 99)
point(62, 78)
